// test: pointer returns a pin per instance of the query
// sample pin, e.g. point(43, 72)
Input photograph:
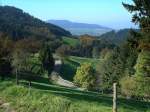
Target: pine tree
point(111, 68)
point(141, 16)
point(141, 13)
point(46, 59)
point(143, 73)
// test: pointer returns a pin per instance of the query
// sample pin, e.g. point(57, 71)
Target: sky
point(109, 13)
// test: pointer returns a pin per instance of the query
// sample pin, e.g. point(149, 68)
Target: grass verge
point(50, 98)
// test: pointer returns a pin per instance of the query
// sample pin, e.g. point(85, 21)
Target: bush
point(128, 86)
point(135, 87)
point(85, 76)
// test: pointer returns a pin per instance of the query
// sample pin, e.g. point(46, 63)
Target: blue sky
point(109, 13)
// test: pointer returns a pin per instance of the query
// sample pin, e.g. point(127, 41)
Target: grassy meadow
point(70, 41)
point(71, 63)
point(44, 97)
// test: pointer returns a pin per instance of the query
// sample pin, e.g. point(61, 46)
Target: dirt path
point(5, 107)
point(58, 64)
point(56, 75)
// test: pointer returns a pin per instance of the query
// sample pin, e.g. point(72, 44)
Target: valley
point(56, 65)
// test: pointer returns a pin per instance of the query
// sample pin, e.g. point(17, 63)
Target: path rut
point(5, 106)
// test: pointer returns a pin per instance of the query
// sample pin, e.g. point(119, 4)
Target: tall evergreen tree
point(111, 68)
point(141, 13)
point(141, 16)
point(46, 59)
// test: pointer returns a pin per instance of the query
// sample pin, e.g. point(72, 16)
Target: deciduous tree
point(85, 76)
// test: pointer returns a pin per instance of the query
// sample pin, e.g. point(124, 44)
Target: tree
point(85, 76)
point(86, 45)
point(63, 50)
point(137, 87)
point(30, 45)
point(5, 68)
point(143, 64)
point(6, 47)
point(141, 13)
point(129, 54)
point(128, 86)
point(46, 58)
point(87, 40)
point(95, 52)
point(143, 73)
point(110, 69)
point(22, 59)
point(20, 62)
point(141, 16)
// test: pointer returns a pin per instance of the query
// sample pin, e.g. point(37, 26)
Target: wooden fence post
point(115, 97)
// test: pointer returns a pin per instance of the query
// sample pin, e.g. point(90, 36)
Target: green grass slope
point(71, 64)
point(81, 60)
point(70, 41)
point(49, 98)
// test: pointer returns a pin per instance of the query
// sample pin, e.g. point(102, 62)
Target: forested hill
point(17, 24)
point(117, 37)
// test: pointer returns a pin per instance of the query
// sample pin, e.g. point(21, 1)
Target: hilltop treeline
point(17, 24)
point(116, 37)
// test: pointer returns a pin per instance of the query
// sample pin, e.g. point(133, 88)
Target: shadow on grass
point(33, 77)
point(91, 97)
point(72, 93)
point(133, 104)
point(68, 69)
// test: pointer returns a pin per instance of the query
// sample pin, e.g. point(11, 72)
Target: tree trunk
point(115, 97)
point(17, 82)
point(2, 77)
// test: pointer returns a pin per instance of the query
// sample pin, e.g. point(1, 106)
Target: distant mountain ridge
point(81, 28)
point(70, 24)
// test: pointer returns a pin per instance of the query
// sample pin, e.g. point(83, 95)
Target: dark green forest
point(117, 37)
point(17, 24)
